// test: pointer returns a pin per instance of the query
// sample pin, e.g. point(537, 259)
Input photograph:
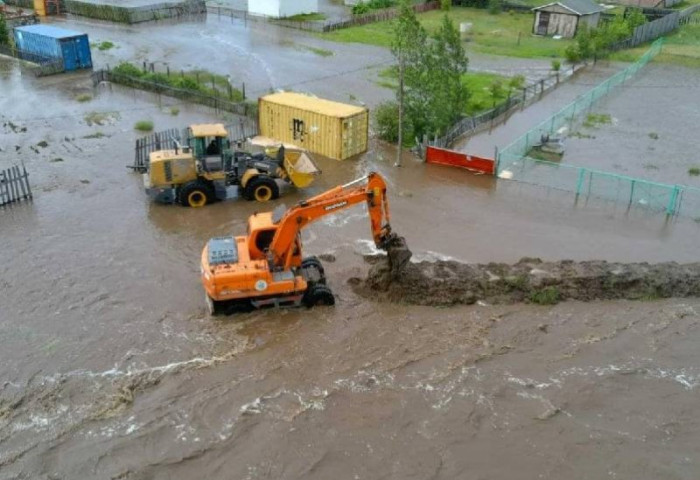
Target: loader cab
point(209, 143)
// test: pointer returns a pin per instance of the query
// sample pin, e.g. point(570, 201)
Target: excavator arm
point(370, 189)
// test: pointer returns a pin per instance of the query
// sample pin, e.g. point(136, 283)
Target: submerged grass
point(197, 81)
point(144, 126)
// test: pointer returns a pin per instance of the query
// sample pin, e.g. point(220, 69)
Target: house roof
point(579, 7)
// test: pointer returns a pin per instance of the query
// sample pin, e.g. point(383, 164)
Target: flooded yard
point(111, 367)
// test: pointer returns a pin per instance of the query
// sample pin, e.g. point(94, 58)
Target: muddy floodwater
point(112, 369)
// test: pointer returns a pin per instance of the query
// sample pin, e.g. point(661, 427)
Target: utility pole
point(398, 147)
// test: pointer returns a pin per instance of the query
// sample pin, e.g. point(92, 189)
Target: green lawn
point(507, 33)
point(478, 83)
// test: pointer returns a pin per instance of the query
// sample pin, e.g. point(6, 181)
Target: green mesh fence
point(587, 182)
point(513, 162)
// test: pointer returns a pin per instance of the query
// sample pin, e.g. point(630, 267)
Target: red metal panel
point(441, 156)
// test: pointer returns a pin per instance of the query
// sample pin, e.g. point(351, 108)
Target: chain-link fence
point(587, 183)
point(514, 163)
point(567, 115)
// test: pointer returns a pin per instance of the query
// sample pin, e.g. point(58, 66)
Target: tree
point(431, 91)
point(447, 64)
point(408, 47)
point(4, 32)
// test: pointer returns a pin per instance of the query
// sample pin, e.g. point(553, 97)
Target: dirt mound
point(529, 280)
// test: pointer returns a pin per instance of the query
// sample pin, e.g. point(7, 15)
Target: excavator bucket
point(399, 255)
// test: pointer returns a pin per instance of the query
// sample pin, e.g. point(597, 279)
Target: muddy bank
point(530, 280)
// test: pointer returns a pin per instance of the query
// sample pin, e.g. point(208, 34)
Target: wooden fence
point(237, 132)
point(655, 29)
point(322, 26)
point(14, 185)
point(217, 103)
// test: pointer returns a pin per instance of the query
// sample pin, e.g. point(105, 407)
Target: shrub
point(495, 6)
point(360, 8)
point(556, 65)
point(186, 83)
point(386, 121)
point(445, 4)
point(517, 82)
point(694, 171)
point(144, 126)
point(125, 68)
point(4, 31)
point(572, 54)
point(365, 7)
point(84, 97)
point(497, 90)
point(546, 296)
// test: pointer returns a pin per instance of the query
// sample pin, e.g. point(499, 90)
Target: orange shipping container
point(332, 129)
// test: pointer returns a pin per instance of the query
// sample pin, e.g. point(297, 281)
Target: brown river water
point(112, 369)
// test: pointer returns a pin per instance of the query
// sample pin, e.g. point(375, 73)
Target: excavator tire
point(214, 307)
point(262, 189)
point(318, 295)
point(195, 194)
point(313, 270)
point(313, 262)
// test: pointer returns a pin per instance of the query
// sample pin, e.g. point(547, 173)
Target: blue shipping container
point(50, 43)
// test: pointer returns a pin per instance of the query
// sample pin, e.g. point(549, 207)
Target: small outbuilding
point(282, 8)
point(564, 17)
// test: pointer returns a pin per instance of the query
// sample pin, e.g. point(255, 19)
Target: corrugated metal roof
point(313, 104)
point(209, 130)
point(49, 31)
point(582, 7)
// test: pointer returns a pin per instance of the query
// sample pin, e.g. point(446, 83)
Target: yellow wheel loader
point(207, 169)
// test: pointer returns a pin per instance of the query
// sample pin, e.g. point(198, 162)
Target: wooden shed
point(564, 17)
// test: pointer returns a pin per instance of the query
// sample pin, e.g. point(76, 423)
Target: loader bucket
point(301, 169)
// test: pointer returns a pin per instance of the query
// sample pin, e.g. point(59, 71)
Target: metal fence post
point(671, 208)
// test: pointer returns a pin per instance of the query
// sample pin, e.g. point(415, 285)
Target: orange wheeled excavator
point(266, 267)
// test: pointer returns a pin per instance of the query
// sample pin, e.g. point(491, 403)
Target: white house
point(281, 8)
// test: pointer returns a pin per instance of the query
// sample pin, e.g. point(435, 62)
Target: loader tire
point(262, 189)
point(196, 194)
point(318, 295)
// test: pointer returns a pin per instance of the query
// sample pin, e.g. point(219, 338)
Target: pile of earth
point(530, 280)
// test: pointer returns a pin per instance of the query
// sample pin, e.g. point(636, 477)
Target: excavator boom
point(370, 189)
